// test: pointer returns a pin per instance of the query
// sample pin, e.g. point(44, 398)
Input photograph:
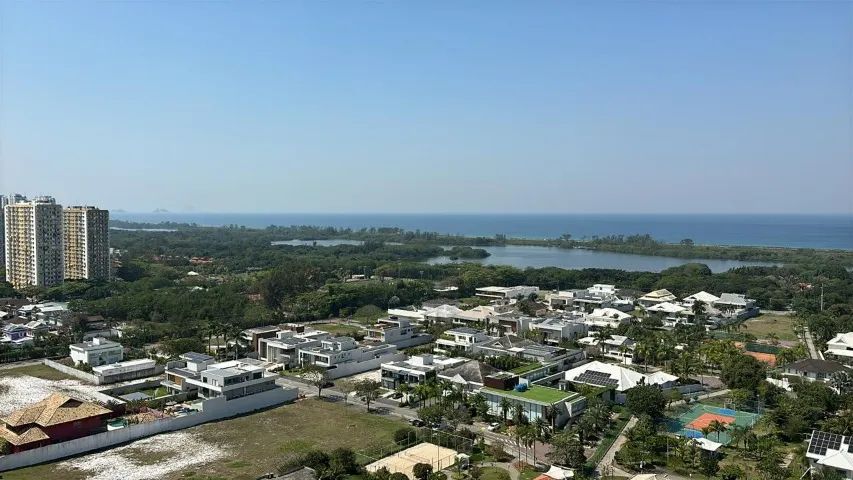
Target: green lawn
point(39, 371)
point(494, 473)
point(535, 393)
point(780, 325)
point(337, 328)
point(259, 442)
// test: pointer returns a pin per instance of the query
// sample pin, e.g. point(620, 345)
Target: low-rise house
point(189, 366)
point(601, 318)
point(615, 377)
point(15, 335)
point(814, 369)
point(511, 324)
point(831, 451)
point(554, 406)
point(617, 347)
point(840, 348)
point(34, 327)
point(736, 306)
point(415, 370)
point(98, 351)
point(253, 336)
point(462, 338)
point(343, 356)
point(442, 313)
point(506, 293)
point(233, 379)
point(57, 418)
point(127, 370)
point(582, 299)
point(523, 348)
point(703, 296)
point(397, 331)
point(656, 297)
point(668, 309)
point(413, 314)
point(284, 348)
point(566, 327)
point(470, 375)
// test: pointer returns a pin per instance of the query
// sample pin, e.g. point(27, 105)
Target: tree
point(481, 406)
point(346, 387)
point(422, 471)
point(398, 476)
point(709, 465)
point(567, 450)
point(742, 371)
point(505, 405)
point(731, 472)
point(368, 390)
point(645, 400)
point(672, 396)
point(5, 447)
point(317, 376)
point(717, 427)
point(343, 460)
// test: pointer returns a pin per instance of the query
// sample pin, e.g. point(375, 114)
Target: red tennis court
point(705, 419)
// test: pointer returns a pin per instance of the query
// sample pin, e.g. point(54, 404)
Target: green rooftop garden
point(526, 368)
point(535, 393)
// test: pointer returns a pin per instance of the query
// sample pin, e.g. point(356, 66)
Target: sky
point(444, 106)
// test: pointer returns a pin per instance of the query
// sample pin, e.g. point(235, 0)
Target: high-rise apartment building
point(33, 234)
point(86, 243)
point(6, 200)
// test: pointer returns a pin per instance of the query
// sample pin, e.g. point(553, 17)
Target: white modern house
point(840, 348)
point(735, 305)
point(554, 406)
point(556, 329)
point(463, 338)
point(97, 351)
point(127, 370)
point(617, 347)
point(284, 348)
point(606, 318)
point(189, 366)
point(397, 331)
point(506, 293)
point(233, 379)
point(416, 369)
point(343, 356)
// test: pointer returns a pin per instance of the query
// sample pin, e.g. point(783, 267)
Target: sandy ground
point(148, 459)
point(375, 375)
point(22, 391)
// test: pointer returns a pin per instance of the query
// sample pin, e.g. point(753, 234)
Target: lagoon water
point(800, 231)
point(523, 256)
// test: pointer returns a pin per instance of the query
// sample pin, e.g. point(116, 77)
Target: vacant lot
point(38, 371)
point(239, 448)
point(337, 328)
point(763, 325)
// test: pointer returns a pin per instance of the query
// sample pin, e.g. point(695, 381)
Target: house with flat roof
point(558, 328)
point(416, 369)
point(343, 356)
point(233, 379)
point(831, 451)
point(284, 348)
point(617, 347)
point(601, 318)
point(127, 370)
point(735, 305)
point(506, 293)
point(97, 351)
point(523, 348)
point(397, 331)
point(840, 348)
point(554, 406)
point(188, 366)
point(461, 338)
point(656, 297)
point(252, 336)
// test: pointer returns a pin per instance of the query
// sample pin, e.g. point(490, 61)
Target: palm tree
point(738, 434)
point(718, 427)
point(518, 414)
point(422, 392)
point(505, 405)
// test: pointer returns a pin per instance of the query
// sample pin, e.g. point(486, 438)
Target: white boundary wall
point(212, 409)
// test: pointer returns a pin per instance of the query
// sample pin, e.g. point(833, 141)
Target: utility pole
point(821, 297)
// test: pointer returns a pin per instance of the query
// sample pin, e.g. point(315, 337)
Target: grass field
point(764, 324)
point(494, 473)
point(337, 328)
point(38, 371)
point(254, 444)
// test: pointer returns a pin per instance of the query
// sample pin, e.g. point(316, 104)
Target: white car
point(494, 426)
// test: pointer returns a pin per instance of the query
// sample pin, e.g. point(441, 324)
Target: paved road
point(608, 458)
point(813, 352)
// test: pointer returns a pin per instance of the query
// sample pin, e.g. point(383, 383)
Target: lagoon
point(523, 256)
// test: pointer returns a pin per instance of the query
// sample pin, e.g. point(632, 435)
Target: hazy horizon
point(439, 107)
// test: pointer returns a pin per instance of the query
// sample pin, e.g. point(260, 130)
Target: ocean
point(797, 231)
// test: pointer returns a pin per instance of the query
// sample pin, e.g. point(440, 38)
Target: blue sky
point(588, 107)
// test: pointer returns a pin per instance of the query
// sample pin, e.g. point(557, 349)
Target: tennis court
point(690, 423)
point(405, 460)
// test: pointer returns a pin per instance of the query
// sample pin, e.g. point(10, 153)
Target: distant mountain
point(160, 210)
point(119, 210)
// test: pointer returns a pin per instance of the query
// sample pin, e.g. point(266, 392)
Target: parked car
point(417, 423)
point(494, 427)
